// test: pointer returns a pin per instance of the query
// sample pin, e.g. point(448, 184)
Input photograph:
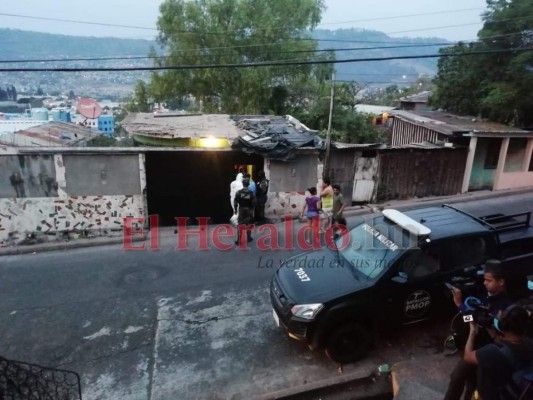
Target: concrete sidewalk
point(349, 212)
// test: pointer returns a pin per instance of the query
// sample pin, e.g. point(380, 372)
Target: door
point(422, 294)
point(364, 183)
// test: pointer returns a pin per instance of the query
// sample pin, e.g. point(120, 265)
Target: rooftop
point(446, 222)
point(452, 124)
point(49, 134)
point(175, 125)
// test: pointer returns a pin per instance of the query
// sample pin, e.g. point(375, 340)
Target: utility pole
point(328, 138)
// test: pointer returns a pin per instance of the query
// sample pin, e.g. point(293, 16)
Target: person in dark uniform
point(245, 202)
point(262, 196)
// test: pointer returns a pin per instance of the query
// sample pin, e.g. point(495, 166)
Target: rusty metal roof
point(50, 134)
point(175, 125)
point(426, 145)
point(452, 124)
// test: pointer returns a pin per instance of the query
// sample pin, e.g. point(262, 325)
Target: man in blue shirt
point(252, 183)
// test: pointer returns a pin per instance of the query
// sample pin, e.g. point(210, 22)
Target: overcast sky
point(450, 19)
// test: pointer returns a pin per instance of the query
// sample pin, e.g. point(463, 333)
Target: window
point(444, 256)
point(464, 252)
point(515, 154)
point(421, 262)
point(493, 153)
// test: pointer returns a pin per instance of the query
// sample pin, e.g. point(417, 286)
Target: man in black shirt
point(463, 377)
point(498, 361)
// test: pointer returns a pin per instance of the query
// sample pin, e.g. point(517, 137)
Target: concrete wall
point(288, 183)
point(59, 195)
point(519, 162)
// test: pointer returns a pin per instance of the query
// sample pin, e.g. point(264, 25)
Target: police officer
point(245, 202)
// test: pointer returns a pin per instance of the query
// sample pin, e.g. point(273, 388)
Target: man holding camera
point(464, 376)
point(497, 362)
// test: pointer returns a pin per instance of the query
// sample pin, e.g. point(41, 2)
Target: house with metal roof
point(499, 156)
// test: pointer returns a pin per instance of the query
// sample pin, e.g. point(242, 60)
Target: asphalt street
point(168, 324)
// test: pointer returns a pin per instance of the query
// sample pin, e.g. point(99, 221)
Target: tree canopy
point(493, 86)
point(200, 32)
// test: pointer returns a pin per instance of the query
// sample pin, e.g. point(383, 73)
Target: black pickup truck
point(391, 269)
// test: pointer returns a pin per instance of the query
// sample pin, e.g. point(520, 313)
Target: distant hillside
point(25, 45)
point(379, 71)
point(17, 44)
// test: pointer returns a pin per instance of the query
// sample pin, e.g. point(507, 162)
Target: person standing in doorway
point(234, 187)
point(245, 202)
point(261, 195)
point(252, 186)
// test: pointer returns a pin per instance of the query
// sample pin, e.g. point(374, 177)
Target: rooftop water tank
point(39, 114)
point(60, 115)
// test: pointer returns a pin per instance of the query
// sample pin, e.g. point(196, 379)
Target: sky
point(451, 19)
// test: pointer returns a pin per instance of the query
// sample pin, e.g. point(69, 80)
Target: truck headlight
point(307, 311)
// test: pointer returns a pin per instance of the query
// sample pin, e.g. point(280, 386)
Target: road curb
point(351, 211)
point(59, 246)
point(360, 376)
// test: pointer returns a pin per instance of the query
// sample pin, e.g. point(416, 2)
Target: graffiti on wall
point(52, 216)
point(28, 176)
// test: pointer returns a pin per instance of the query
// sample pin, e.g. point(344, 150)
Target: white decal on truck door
point(417, 304)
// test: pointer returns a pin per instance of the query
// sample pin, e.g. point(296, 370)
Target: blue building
point(106, 124)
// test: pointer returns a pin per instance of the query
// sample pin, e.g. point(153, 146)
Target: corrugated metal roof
point(450, 124)
point(50, 134)
point(339, 145)
point(379, 146)
point(182, 126)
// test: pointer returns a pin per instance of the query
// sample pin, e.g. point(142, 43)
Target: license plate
point(276, 318)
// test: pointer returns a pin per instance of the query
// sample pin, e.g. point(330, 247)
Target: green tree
point(196, 32)
point(494, 86)
point(139, 101)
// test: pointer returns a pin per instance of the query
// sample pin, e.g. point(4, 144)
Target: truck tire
point(348, 343)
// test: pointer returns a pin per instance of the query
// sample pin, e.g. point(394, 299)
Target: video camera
point(477, 312)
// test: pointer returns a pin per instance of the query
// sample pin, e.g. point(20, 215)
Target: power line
point(403, 16)
point(218, 33)
point(216, 55)
point(264, 64)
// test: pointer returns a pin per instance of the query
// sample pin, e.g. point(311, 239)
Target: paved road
point(173, 324)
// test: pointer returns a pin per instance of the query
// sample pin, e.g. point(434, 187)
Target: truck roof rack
point(500, 222)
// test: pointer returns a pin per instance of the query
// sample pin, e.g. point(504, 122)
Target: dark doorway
point(193, 183)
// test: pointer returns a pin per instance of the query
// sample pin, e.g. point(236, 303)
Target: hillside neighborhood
point(233, 200)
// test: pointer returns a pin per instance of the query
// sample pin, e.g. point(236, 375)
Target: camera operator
point(498, 361)
point(463, 376)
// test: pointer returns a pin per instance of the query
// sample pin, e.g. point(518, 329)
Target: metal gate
point(24, 381)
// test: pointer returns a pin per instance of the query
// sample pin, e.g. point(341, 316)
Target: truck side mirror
point(400, 278)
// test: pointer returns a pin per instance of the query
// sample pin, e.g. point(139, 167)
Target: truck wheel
point(348, 343)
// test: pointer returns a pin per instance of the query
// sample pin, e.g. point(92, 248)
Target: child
point(311, 204)
point(338, 206)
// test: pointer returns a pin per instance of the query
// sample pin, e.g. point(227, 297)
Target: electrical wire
point(216, 55)
point(264, 64)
